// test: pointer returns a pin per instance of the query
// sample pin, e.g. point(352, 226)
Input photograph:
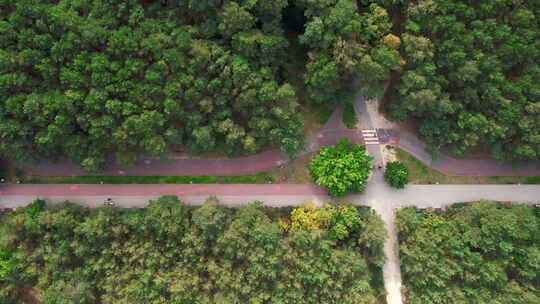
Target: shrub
point(396, 174)
point(35, 208)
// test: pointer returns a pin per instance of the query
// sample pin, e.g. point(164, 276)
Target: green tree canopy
point(173, 253)
point(396, 174)
point(347, 40)
point(484, 252)
point(341, 168)
point(471, 75)
point(82, 79)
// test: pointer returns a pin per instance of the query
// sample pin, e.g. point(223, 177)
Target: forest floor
point(315, 116)
point(258, 178)
point(293, 172)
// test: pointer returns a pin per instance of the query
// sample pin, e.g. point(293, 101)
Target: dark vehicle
point(108, 202)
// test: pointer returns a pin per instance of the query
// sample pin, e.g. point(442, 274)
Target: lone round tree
point(341, 168)
point(396, 174)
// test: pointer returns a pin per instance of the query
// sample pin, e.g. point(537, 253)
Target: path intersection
point(383, 199)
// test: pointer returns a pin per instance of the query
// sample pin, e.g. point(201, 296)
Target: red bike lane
point(46, 190)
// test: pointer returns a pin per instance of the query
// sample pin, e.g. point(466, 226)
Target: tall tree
point(349, 42)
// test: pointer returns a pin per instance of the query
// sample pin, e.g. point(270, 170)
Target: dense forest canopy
point(86, 78)
point(172, 253)
point(347, 39)
point(95, 79)
point(485, 252)
point(472, 74)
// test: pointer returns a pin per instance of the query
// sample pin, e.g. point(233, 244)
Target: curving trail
point(330, 133)
point(180, 164)
point(466, 167)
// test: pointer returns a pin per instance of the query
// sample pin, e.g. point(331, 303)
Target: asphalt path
point(462, 167)
point(134, 195)
point(377, 195)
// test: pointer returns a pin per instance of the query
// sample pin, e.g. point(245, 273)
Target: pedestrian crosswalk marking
point(370, 137)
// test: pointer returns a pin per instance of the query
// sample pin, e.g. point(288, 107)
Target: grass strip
point(258, 178)
point(419, 173)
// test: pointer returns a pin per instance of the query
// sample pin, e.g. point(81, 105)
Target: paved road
point(136, 201)
point(378, 195)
